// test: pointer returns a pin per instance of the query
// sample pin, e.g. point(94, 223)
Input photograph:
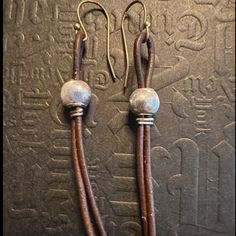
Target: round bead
point(144, 100)
point(75, 93)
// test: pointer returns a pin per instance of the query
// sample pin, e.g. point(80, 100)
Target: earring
point(144, 103)
point(76, 95)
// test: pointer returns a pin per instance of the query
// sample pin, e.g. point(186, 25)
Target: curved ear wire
point(146, 26)
point(80, 25)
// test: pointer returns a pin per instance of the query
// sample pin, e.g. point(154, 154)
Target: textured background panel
point(193, 152)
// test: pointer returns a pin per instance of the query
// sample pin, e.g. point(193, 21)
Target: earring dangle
point(76, 95)
point(144, 103)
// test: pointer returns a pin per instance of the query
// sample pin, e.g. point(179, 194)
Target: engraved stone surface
point(193, 141)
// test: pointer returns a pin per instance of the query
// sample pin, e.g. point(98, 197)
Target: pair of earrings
point(144, 102)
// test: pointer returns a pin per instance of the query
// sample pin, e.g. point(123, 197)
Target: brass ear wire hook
point(146, 26)
point(80, 25)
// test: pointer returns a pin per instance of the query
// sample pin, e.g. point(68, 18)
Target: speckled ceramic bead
point(75, 93)
point(144, 100)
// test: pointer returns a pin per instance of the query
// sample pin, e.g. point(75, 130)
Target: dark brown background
point(193, 152)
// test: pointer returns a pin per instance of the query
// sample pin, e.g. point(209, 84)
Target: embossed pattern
point(193, 151)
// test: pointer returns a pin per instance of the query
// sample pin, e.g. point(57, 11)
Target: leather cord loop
point(88, 206)
point(143, 140)
point(141, 39)
point(78, 53)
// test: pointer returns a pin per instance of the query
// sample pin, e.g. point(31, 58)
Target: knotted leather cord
point(85, 190)
point(143, 140)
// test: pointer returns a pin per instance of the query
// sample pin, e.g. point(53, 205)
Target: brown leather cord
point(80, 184)
point(143, 138)
point(87, 198)
point(87, 184)
point(138, 63)
point(141, 183)
point(148, 182)
point(78, 53)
